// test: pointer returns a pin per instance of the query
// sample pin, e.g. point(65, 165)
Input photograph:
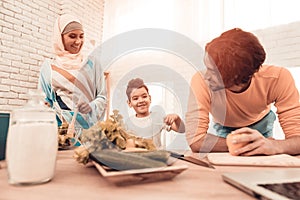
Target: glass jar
point(32, 142)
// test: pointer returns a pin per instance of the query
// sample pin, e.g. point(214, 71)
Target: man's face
point(212, 75)
point(140, 101)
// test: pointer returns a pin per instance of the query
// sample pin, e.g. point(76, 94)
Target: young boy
point(146, 123)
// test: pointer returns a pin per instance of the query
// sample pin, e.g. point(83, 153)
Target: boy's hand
point(170, 119)
point(175, 123)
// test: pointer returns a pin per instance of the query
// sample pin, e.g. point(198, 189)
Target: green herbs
point(109, 134)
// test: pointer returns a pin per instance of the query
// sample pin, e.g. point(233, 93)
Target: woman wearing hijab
point(71, 82)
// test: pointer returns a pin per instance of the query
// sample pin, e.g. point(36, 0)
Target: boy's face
point(140, 101)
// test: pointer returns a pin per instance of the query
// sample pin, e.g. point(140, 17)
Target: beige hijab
point(63, 58)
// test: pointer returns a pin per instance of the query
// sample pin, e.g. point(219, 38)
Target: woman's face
point(73, 41)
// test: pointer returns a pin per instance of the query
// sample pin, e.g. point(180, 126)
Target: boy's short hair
point(135, 83)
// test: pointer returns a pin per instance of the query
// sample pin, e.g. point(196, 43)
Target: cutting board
point(139, 176)
point(280, 160)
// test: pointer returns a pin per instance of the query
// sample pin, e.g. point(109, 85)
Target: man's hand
point(257, 143)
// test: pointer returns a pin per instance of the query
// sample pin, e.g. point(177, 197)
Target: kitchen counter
point(74, 181)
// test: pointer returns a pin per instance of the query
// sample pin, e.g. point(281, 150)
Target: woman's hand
point(84, 107)
point(257, 143)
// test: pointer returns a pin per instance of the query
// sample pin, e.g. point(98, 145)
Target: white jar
point(32, 145)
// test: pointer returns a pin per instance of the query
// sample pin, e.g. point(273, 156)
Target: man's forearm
point(289, 146)
point(210, 143)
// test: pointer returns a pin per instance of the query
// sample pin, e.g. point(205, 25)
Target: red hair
point(237, 55)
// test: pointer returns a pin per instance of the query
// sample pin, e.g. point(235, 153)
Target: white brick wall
point(282, 44)
point(25, 41)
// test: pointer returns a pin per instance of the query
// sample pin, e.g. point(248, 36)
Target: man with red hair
point(237, 90)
